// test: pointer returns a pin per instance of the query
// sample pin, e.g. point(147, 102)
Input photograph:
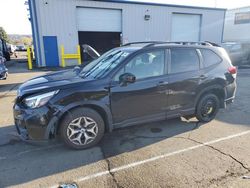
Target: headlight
point(39, 100)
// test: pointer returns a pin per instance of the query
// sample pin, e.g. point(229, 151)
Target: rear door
point(184, 79)
point(146, 99)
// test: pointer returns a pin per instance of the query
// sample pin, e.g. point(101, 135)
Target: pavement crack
point(112, 174)
point(218, 150)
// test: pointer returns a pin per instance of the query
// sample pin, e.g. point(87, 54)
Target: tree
point(26, 41)
point(3, 34)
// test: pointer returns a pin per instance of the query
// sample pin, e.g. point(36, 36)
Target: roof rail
point(213, 44)
point(152, 43)
point(145, 42)
point(183, 43)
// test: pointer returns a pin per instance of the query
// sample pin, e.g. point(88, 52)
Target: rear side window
point(209, 57)
point(183, 60)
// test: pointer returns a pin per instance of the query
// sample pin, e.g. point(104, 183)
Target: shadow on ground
point(45, 162)
point(7, 87)
point(58, 159)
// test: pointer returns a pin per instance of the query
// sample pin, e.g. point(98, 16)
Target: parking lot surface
point(173, 153)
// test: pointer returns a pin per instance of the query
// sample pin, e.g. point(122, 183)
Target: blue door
point(51, 51)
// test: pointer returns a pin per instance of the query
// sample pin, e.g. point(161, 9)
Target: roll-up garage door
point(185, 27)
point(99, 20)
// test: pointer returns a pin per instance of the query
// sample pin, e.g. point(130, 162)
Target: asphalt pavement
point(172, 153)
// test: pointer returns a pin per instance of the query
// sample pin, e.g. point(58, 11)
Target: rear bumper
point(230, 91)
point(229, 101)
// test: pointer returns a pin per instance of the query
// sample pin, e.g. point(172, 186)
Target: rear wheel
point(207, 108)
point(82, 128)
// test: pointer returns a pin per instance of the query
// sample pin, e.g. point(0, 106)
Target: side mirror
point(127, 78)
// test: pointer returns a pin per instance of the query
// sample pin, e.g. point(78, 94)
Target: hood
point(49, 82)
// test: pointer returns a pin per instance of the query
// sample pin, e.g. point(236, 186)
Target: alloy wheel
point(82, 130)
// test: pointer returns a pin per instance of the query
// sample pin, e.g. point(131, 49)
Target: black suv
point(132, 84)
point(4, 52)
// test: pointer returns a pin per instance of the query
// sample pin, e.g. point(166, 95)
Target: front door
point(146, 99)
point(184, 79)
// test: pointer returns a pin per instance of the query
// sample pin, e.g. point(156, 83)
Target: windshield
point(104, 64)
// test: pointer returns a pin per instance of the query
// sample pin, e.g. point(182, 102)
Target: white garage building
point(107, 24)
point(237, 25)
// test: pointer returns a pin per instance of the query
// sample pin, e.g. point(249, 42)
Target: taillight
point(232, 70)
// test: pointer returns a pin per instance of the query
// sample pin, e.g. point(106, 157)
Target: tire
point(5, 76)
point(207, 108)
point(82, 128)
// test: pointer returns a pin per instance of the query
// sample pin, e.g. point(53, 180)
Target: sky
point(14, 14)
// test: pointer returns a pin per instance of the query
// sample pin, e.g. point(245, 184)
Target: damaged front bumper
point(34, 124)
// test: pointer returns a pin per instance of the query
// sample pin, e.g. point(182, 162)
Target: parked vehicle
point(3, 69)
point(21, 48)
point(4, 52)
point(129, 85)
point(239, 52)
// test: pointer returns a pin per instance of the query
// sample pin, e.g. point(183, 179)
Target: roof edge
point(159, 4)
point(239, 8)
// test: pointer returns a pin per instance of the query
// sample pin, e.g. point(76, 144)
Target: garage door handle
point(163, 83)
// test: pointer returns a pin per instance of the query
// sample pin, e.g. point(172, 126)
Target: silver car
point(238, 52)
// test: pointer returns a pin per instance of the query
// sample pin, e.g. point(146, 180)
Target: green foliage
point(3, 34)
point(26, 41)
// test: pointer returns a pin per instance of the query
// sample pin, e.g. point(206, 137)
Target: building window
point(242, 18)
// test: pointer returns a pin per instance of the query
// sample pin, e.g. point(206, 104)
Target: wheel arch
point(217, 90)
point(99, 108)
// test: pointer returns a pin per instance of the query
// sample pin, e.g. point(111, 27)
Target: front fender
point(62, 110)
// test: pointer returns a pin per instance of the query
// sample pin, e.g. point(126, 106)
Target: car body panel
point(239, 52)
point(3, 69)
point(139, 100)
point(150, 99)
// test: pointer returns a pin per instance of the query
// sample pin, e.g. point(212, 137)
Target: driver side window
point(145, 65)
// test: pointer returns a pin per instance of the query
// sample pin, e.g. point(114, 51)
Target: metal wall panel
point(59, 18)
point(236, 32)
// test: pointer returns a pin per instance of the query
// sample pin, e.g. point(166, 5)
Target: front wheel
point(5, 76)
point(207, 108)
point(82, 128)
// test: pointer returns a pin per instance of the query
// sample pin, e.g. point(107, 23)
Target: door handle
point(162, 83)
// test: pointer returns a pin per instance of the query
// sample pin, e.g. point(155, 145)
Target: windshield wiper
point(108, 67)
point(88, 73)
